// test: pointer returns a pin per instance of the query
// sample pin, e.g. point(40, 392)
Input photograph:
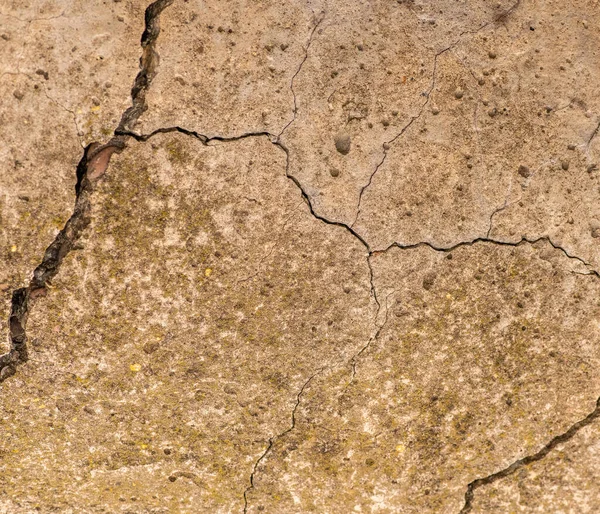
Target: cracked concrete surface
point(312, 256)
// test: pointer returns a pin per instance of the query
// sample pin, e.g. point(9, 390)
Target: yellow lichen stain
point(135, 367)
point(208, 272)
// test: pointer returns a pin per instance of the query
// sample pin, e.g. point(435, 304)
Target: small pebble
point(342, 143)
point(386, 146)
point(564, 165)
point(18, 95)
point(592, 167)
point(458, 94)
point(385, 122)
point(492, 54)
point(435, 111)
point(334, 172)
point(571, 147)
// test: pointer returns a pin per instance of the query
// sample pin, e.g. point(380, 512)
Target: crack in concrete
point(356, 356)
point(276, 141)
point(529, 459)
point(594, 134)
point(310, 40)
point(90, 169)
point(95, 161)
point(275, 438)
point(522, 241)
point(386, 144)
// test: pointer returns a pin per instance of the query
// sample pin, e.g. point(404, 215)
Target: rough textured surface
point(564, 481)
point(67, 68)
point(344, 257)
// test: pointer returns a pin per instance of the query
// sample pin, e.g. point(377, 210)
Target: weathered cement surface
point(67, 68)
point(347, 262)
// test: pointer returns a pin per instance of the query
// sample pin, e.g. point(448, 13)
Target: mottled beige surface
point(65, 73)
point(363, 279)
point(565, 481)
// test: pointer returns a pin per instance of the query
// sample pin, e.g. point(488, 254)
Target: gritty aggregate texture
point(306, 256)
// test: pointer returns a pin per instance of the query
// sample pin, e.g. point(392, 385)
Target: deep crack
point(529, 459)
point(90, 169)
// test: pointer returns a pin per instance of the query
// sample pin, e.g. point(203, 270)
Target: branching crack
point(275, 438)
point(529, 459)
point(386, 145)
point(90, 169)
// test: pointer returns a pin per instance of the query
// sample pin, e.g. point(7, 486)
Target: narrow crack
point(276, 141)
point(593, 135)
point(275, 438)
point(522, 241)
point(90, 169)
point(386, 145)
point(356, 356)
point(310, 40)
point(529, 459)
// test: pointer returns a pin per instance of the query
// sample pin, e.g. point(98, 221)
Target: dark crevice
point(477, 240)
point(204, 139)
point(529, 459)
point(90, 169)
point(276, 141)
point(276, 437)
